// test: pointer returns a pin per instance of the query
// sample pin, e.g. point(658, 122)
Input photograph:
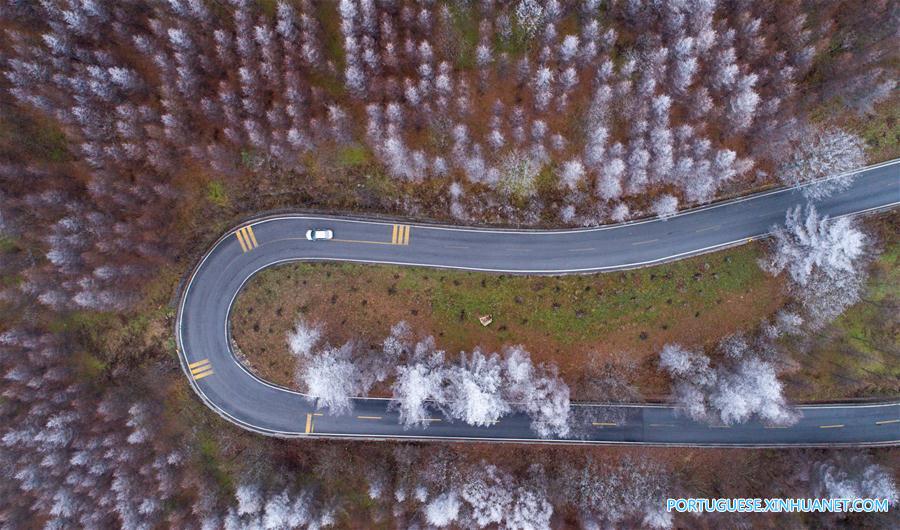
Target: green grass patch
point(216, 194)
point(516, 44)
point(465, 27)
point(330, 20)
point(88, 367)
point(8, 244)
point(856, 355)
point(580, 308)
point(352, 156)
point(208, 456)
point(558, 318)
point(40, 139)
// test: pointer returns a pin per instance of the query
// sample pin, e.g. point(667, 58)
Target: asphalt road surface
point(228, 388)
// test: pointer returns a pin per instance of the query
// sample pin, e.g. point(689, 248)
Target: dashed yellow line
point(603, 424)
point(368, 417)
point(246, 238)
point(885, 422)
point(837, 426)
point(309, 423)
point(661, 425)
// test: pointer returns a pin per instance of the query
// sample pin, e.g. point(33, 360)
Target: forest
point(133, 133)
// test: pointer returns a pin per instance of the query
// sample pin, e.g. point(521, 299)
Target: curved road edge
point(485, 437)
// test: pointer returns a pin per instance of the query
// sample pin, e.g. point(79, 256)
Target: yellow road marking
point(776, 427)
point(240, 238)
point(249, 230)
point(707, 228)
point(400, 235)
point(831, 426)
point(202, 366)
point(199, 369)
point(432, 419)
point(603, 424)
point(198, 363)
point(645, 242)
point(720, 426)
point(362, 241)
point(369, 417)
point(661, 425)
point(885, 422)
point(247, 238)
point(201, 374)
point(317, 414)
point(308, 423)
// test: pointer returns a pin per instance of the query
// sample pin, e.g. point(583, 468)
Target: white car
point(319, 234)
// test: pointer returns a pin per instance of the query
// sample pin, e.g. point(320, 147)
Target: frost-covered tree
point(475, 392)
point(443, 509)
point(618, 494)
point(831, 152)
point(572, 173)
point(744, 386)
point(666, 206)
point(494, 497)
point(418, 384)
point(303, 338)
point(539, 392)
point(852, 476)
point(332, 379)
point(824, 258)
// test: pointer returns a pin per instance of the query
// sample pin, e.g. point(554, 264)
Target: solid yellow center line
point(369, 417)
point(885, 422)
point(361, 241)
point(308, 423)
point(839, 425)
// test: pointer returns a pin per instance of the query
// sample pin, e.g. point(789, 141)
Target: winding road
point(227, 387)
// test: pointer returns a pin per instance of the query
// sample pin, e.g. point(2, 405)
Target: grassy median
point(564, 319)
